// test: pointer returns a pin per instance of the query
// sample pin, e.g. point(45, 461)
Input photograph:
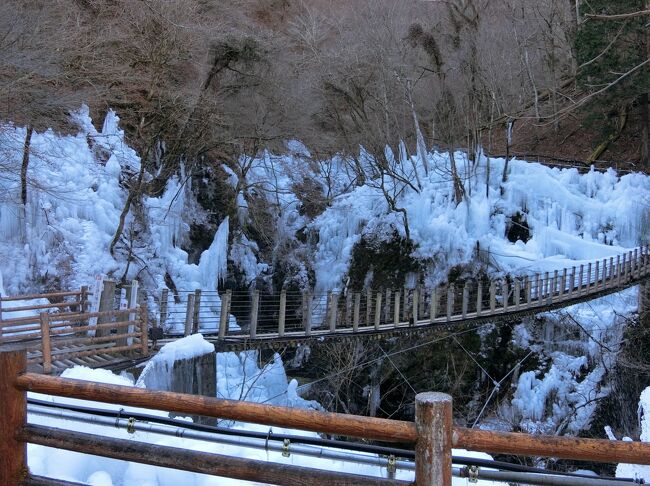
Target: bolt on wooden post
point(433, 421)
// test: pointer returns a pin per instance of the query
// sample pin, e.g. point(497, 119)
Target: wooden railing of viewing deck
point(432, 433)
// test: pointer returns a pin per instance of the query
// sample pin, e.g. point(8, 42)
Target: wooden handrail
point(331, 423)
point(335, 423)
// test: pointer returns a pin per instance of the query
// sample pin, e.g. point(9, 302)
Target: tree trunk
point(23, 169)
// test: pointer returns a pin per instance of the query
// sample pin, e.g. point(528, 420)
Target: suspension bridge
point(65, 333)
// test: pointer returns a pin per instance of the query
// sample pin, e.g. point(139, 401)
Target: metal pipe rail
point(433, 433)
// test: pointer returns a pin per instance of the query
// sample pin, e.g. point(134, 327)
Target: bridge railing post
point(224, 315)
point(144, 329)
point(396, 309)
point(479, 297)
point(416, 305)
point(255, 304)
point(517, 293)
point(333, 310)
point(528, 287)
point(189, 313)
point(589, 280)
point(307, 306)
point(367, 321)
point(377, 311)
point(282, 312)
point(493, 296)
point(433, 421)
point(387, 314)
point(505, 294)
point(433, 305)
point(450, 301)
point(164, 302)
point(596, 275)
point(538, 288)
point(13, 417)
point(563, 283)
point(618, 271)
point(197, 311)
point(356, 311)
point(465, 303)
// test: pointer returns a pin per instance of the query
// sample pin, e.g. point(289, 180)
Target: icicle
point(214, 260)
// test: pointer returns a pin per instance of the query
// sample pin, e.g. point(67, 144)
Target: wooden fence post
point(163, 306)
point(197, 311)
point(538, 288)
point(563, 283)
point(254, 312)
point(588, 277)
point(529, 292)
point(189, 313)
point(46, 346)
point(505, 294)
point(387, 306)
point(479, 298)
point(283, 312)
point(603, 285)
point(106, 303)
point(13, 414)
point(433, 421)
point(224, 315)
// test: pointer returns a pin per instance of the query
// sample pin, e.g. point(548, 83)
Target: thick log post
point(189, 313)
point(283, 312)
point(254, 312)
point(13, 411)
point(197, 311)
point(224, 315)
point(433, 421)
point(46, 347)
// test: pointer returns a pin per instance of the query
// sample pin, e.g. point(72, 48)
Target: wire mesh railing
point(254, 314)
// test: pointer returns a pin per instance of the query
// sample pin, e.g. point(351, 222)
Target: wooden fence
point(294, 315)
point(432, 433)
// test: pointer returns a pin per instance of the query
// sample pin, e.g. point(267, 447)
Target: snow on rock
point(158, 370)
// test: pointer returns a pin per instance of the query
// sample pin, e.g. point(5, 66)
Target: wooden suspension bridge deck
point(274, 322)
point(72, 336)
